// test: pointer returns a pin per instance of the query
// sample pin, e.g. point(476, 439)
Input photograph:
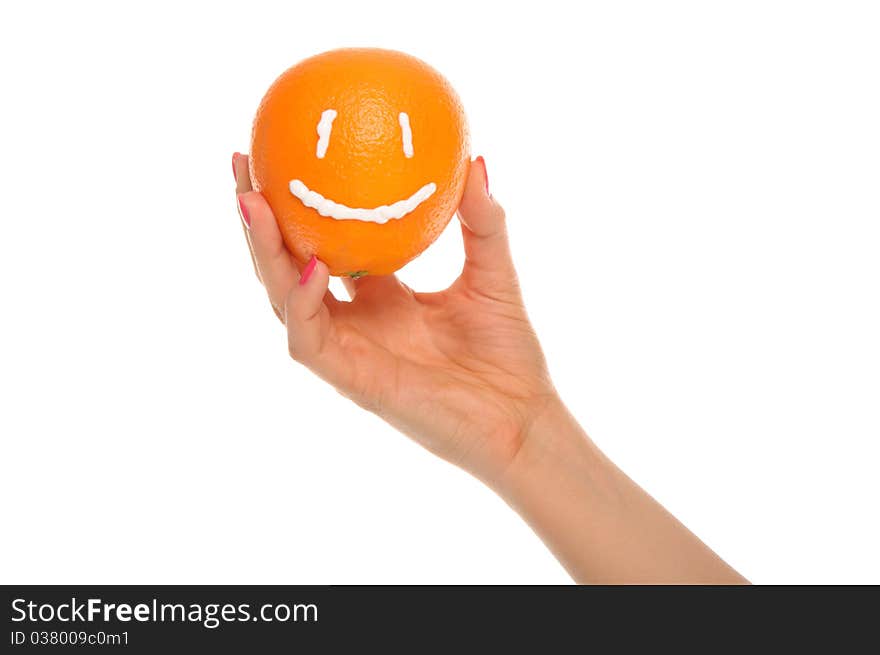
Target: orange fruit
point(362, 154)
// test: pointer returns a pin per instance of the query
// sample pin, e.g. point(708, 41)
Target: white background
point(693, 192)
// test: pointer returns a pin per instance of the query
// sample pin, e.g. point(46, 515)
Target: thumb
point(488, 263)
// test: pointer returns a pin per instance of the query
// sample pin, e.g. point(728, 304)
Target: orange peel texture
point(390, 127)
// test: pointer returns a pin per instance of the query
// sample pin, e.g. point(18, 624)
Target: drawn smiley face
point(381, 214)
point(362, 155)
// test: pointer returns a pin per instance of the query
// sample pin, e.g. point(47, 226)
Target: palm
point(458, 370)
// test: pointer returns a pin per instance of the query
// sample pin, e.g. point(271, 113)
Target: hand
point(462, 373)
point(459, 371)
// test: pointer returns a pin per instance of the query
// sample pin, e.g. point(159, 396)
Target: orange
point(362, 154)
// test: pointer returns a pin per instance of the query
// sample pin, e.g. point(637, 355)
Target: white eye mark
point(324, 127)
point(407, 134)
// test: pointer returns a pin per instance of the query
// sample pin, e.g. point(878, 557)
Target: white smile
point(382, 214)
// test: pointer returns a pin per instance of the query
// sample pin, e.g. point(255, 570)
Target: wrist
point(554, 446)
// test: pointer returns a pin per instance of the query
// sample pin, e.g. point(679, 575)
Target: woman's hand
point(462, 373)
point(459, 371)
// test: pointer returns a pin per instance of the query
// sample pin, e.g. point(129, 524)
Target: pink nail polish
point(308, 270)
point(244, 212)
point(485, 173)
point(234, 173)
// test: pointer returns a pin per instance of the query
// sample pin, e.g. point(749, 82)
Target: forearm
point(601, 526)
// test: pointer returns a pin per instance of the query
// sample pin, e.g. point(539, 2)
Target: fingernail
point(485, 173)
point(234, 173)
point(308, 270)
point(243, 211)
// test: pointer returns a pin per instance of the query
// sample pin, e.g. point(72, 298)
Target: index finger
point(242, 185)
